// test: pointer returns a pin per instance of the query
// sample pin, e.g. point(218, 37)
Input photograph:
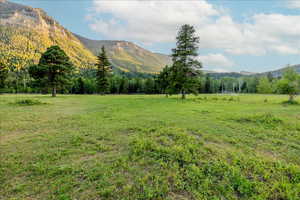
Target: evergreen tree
point(185, 67)
point(3, 75)
point(125, 86)
point(208, 88)
point(54, 69)
point(103, 71)
point(80, 85)
point(270, 76)
point(163, 80)
point(149, 86)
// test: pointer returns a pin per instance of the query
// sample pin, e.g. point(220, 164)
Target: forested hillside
point(19, 46)
point(127, 56)
point(25, 32)
point(279, 72)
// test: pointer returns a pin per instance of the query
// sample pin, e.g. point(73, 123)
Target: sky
point(235, 35)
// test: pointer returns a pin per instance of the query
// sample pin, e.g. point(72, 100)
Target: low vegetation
point(150, 147)
point(28, 102)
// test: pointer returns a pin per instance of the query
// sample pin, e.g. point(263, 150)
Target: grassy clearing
point(150, 147)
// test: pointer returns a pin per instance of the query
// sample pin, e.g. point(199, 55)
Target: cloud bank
point(151, 22)
point(293, 4)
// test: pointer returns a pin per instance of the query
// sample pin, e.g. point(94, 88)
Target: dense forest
point(83, 81)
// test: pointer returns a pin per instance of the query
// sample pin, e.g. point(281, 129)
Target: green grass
point(149, 147)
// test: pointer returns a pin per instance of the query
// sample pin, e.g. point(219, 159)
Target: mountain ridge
point(26, 32)
point(279, 72)
point(127, 55)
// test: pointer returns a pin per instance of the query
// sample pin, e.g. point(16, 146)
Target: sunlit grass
point(149, 147)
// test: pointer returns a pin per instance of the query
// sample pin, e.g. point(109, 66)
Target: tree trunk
point(24, 82)
point(291, 99)
point(167, 95)
point(182, 94)
point(54, 91)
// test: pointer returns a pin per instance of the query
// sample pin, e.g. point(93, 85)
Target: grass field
point(149, 147)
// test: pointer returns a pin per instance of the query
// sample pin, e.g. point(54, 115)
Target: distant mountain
point(128, 56)
point(275, 73)
point(26, 32)
point(247, 73)
point(279, 72)
point(215, 74)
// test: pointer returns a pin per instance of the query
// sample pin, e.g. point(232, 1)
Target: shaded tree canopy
point(53, 70)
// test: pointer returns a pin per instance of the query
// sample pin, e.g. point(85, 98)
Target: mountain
point(274, 73)
point(279, 72)
point(128, 56)
point(247, 73)
point(218, 75)
point(26, 32)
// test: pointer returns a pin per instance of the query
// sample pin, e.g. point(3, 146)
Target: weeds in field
point(28, 102)
point(182, 164)
point(215, 98)
point(266, 119)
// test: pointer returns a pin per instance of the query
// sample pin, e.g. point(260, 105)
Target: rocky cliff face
point(26, 32)
point(25, 16)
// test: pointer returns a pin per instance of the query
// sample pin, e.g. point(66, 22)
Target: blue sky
point(235, 35)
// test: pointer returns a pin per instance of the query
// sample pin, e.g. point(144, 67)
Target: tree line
point(55, 73)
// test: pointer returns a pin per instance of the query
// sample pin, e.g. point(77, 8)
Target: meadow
point(149, 147)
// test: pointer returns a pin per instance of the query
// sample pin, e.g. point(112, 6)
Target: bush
point(231, 99)
point(289, 102)
point(28, 102)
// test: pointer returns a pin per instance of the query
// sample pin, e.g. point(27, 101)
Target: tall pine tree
point(103, 71)
point(163, 80)
point(54, 69)
point(185, 67)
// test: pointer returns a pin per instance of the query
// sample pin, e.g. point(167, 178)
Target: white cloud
point(156, 21)
point(148, 21)
point(215, 60)
point(293, 4)
point(285, 50)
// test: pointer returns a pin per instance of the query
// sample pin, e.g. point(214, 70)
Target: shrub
point(28, 102)
point(231, 99)
point(289, 102)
